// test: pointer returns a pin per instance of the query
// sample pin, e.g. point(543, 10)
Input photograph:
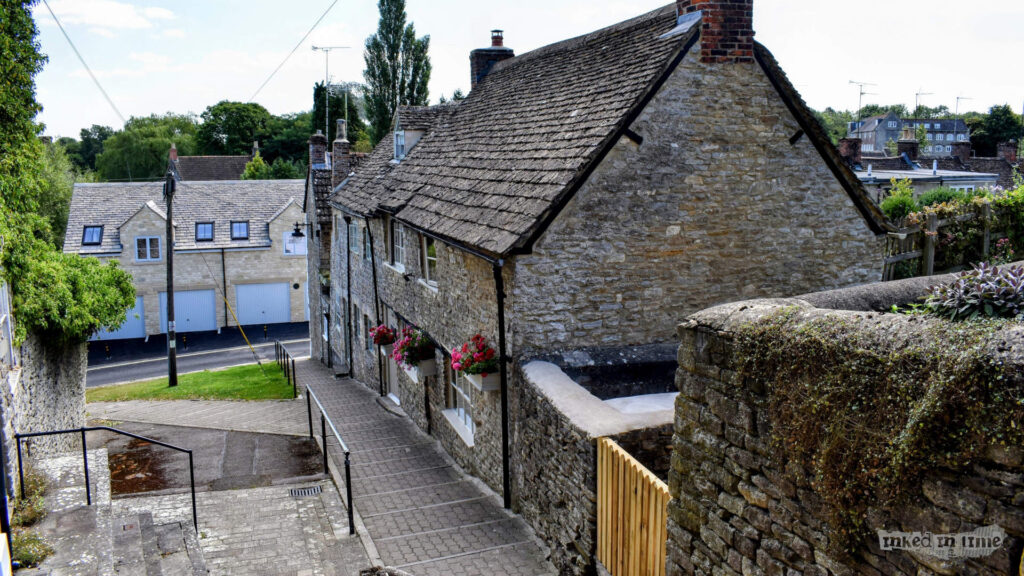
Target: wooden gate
point(631, 514)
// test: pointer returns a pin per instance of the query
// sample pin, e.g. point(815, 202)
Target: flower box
point(488, 383)
point(427, 367)
point(388, 349)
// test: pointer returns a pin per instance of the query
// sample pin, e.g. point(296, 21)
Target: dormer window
point(92, 235)
point(399, 144)
point(240, 230)
point(204, 231)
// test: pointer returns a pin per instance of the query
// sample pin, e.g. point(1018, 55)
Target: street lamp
point(172, 358)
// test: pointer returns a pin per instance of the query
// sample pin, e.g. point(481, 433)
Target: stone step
point(142, 548)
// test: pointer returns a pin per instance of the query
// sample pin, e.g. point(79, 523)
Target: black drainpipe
point(224, 282)
point(348, 293)
point(376, 305)
point(499, 288)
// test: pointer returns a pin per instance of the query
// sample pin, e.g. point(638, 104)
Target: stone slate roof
point(496, 169)
point(111, 204)
point(320, 178)
point(210, 167)
point(418, 117)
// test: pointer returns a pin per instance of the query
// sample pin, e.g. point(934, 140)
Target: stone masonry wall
point(716, 205)
point(735, 511)
point(195, 271)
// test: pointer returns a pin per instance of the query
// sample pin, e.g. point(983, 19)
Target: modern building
point(234, 242)
point(877, 131)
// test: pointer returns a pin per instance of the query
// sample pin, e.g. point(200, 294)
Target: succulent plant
point(986, 290)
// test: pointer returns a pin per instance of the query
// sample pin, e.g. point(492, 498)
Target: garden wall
point(742, 503)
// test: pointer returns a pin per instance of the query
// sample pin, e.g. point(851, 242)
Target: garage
point(134, 325)
point(263, 303)
point(194, 311)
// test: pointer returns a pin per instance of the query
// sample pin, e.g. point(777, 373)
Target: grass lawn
point(238, 383)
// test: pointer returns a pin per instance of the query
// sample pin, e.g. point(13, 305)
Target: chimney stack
point(726, 29)
point(482, 60)
point(909, 146)
point(1007, 151)
point(173, 155)
point(962, 151)
point(341, 157)
point(317, 149)
point(849, 149)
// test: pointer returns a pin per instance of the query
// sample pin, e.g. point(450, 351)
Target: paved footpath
point(265, 416)
point(423, 513)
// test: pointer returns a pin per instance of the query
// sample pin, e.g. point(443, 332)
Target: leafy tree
point(57, 180)
point(336, 107)
point(63, 298)
point(835, 122)
point(921, 134)
point(257, 169)
point(878, 109)
point(139, 152)
point(92, 140)
point(1000, 125)
point(937, 113)
point(230, 128)
point(287, 136)
point(282, 169)
point(459, 95)
point(891, 148)
point(397, 68)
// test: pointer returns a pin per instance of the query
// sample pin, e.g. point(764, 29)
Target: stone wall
point(716, 205)
point(735, 510)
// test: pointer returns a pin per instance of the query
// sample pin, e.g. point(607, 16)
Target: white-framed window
point(930, 136)
point(892, 123)
point(92, 235)
point(927, 126)
point(147, 248)
point(353, 236)
point(961, 137)
point(428, 259)
point(293, 246)
point(204, 231)
point(367, 252)
point(240, 230)
point(399, 144)
point(949, 148)
point(967, 188)
point(459, 397)
point(397, 256)
point(949, 137)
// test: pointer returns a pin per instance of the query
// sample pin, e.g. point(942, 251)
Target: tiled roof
point(418, 117)
point(111, 204)
point(210, 167)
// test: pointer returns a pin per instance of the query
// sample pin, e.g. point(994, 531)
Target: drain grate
point(300, 492)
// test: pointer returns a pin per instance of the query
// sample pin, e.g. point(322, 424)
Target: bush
point(900, 201)
point(941, 195)
point(28, 548)
point(984, 291)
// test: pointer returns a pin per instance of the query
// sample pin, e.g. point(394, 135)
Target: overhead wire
point(310, 31)
point(82, 60)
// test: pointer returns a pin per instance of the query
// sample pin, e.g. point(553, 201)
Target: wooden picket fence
point(631, 514)
point(919, 242)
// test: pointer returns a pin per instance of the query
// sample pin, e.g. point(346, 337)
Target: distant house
point(232, 239)
point(579, 203)
point(205, 168)
point(877, 131)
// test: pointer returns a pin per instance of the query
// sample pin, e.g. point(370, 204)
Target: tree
point(336, 107)
point(921, 134)
point(63, 298)
point(939, 112)
point(397, 68)
point(92, 140)
point(287, 136)
point(891, 148)
point(230, 128)
point(282, 169)
point(835, 122)
point(878, 110)
point(1000, 125)
point(57, 180)
point(458, 95)
point(257, 169)
point(139, 152)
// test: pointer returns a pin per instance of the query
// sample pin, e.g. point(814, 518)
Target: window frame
point(400, 149)
point(425, 241)
point(85, 234)
point(149, 248)
point(235, 236)
point(396, 256)
point(367, 252)
point(367, 325)
point(353, 236)
point(459, 397)
point(299, 243)
point(892, 124)
point(211, 225)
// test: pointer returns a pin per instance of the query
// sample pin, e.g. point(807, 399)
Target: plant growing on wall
point(382, 335)
point(984, 291)
point(412, 348)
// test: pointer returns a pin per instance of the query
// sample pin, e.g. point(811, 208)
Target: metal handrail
point(287, 364)
point(85, 459)
point(324, 422)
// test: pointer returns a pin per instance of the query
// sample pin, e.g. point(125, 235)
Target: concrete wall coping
point(584, 410)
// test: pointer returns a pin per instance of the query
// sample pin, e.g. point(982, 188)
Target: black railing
point(287, 363)
point(325, 422)
point(85, 459)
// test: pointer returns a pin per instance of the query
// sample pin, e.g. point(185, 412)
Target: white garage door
point(134, 326)
point(194, 311)
point(263, 303)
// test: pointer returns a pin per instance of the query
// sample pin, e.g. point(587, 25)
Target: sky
point(154, 56)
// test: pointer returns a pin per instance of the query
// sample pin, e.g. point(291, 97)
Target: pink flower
point(456, 366)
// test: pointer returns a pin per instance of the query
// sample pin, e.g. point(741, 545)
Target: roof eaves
point(870, 211)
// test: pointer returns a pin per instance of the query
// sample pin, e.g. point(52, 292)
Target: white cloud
point(173, 33)
point(105, 16)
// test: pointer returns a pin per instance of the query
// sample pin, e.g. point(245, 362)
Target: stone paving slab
point(409, 498)
point(267, 416)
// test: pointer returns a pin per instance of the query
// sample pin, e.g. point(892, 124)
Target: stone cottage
point(233, 240)
point(573, 208)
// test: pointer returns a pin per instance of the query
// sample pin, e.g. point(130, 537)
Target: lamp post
point(172, 358)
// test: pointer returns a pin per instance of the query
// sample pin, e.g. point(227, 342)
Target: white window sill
point(412, 372)
point(400, 268)
point(461, 429)
point(428, 285)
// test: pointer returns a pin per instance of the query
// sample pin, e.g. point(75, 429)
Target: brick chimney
point(726, 30)
point(1007, 151)
point(910, 146)
point(962, 151)
point(341, 155)
point(849, 149)
point(173, 154)
point(482, 60)
point(317, 148)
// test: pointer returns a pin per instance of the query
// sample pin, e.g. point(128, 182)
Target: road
point(129, 370)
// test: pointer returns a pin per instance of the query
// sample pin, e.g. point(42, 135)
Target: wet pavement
point(223, 459)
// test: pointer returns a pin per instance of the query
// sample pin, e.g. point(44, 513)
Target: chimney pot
point(317, 148)
point(497, 38)
point(482, 60)
point(341, 133)
point(174, 153)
